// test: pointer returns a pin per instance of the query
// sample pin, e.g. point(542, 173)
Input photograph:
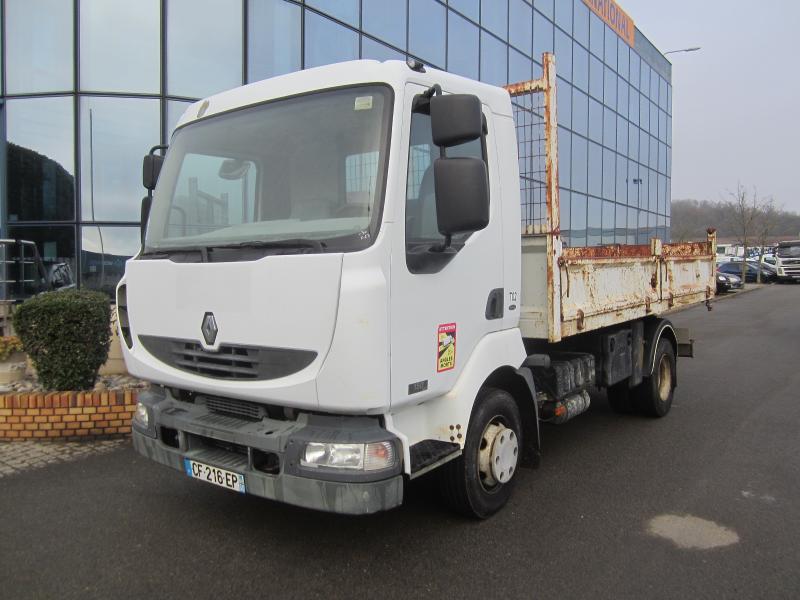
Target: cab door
point(442, 302)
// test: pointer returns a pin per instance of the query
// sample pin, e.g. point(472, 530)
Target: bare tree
point(745, 209)
point(766, 222)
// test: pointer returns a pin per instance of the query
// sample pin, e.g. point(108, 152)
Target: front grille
point(237, 362)
point(239, 408)
point(229, 362)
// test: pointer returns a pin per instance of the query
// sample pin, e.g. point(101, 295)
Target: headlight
point(363, 457)
point(721, 278)
point(141, 416)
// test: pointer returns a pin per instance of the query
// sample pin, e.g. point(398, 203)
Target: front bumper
point(181, 430)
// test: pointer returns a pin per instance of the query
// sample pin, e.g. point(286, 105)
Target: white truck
point(787, 261)
point(353, 275)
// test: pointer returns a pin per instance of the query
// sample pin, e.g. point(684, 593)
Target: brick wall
point(66, 415)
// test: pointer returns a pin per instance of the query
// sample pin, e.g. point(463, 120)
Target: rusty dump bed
point(565, 290)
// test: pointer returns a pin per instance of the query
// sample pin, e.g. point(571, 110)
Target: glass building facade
point(88, 86)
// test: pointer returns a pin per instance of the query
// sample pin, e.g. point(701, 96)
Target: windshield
point(791, 250)
point(308, 169)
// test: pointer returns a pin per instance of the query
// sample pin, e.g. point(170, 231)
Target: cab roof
point(393, 72)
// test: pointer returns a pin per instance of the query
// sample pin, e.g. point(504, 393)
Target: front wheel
point(655, 393)
point(479, 482)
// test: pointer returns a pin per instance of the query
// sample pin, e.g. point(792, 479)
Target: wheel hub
point(664, 379)
point(497, 460)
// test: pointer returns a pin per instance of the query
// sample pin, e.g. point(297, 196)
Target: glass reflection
point(564, 203)
point(545, 7)
point(596, 78)
point(115, 134)
point(577, 220)
point(621, 194)
point(120, 32)
point(104, 251)
point(468, 8)
point(563, 51)
point(580, 112)
point(623, 57)
point(494, 17)
point(542, 36)
point(385, 20)
point(56, 246)
point(344, 10)
point(596, 35)
point(610, 88)
point(204, 47)
point(579, 157)
point(373, 50)
point(594, 222)
point(564, 100)
point(611, 48)
point(564, 15)
point(175, 109)
point(493, 60)
point(38, 37)
point(40, 159)
point(609, 174)
point(633, 224)
point(520, 68)
point(564, 157)
point(609, 128)
point(609, 220)
point(462, 46)
point(620, 230)
point(595, 169)
point(273, 38)
point(595, 121)
point(519, 25)
point(427, 35)
point(580, 26)
point(327, 42)
point(580, 67)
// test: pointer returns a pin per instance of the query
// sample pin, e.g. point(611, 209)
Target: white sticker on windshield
point(363, 103)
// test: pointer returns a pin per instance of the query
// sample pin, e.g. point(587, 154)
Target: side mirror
point(456, 119)
point(151, 167)
point(462, 195)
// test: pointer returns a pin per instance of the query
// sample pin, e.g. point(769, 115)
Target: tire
point(621, 398)
point(468, 486)
point(654, 395)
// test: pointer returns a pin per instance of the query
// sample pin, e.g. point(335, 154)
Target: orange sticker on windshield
point(445, 347)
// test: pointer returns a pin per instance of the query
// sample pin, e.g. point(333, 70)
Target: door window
point(422, 230)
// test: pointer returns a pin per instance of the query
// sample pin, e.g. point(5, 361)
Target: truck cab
point(787, 261)
point(293, 266)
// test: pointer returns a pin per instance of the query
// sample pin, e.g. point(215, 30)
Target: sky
point(736, 102)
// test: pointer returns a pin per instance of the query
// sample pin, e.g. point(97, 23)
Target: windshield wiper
point(316, 245)
point(207, 251)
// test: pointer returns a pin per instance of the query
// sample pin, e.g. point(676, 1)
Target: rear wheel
point(654, 394)
point(479, 482)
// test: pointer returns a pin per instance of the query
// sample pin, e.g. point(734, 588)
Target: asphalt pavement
point(704, 503)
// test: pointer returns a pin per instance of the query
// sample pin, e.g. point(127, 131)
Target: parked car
point(751, 276)
point(727, 282)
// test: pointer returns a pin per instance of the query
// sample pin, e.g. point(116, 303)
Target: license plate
point(221, 477)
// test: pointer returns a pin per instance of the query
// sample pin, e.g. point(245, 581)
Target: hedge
point(67, 335)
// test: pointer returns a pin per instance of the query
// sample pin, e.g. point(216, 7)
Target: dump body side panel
point(566, 291)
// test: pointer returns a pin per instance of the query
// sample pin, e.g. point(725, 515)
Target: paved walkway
point(16, 457)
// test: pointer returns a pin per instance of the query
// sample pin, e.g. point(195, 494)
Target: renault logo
point(209, 328)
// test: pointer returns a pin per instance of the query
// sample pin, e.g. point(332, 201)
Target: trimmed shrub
point(66, 335)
